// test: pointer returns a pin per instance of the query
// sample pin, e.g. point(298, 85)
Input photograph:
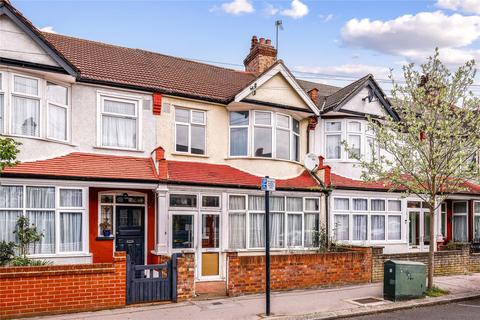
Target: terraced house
point(170, 153)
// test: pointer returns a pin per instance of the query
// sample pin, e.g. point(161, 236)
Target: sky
point(328, 41)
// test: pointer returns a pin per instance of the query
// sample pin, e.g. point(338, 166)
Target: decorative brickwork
point(186, 276)
point(246, 274)
point(446, 262)
point(28, 291)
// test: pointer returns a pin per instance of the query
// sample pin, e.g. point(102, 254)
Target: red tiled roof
point(221, 174)
point(88, 166)
point(149, 70)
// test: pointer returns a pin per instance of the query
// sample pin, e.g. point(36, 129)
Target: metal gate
point(152, 282)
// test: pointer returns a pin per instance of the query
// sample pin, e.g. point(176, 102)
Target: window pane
point(236, 203)
point(394, 227)
point(106, 199)
point(119, 132)
point(71, 198)
point(198, 139)
point(294, 204)
point(296, 148)
point(210, 230)
point(2, 113)
point(57, 94)
point(11, 197)
point(198, 117)
point(277, 204)
point(182, 231)
point(236, 234)
point(181, 139)
point(377, 205)
point(360, 227)
point(283, 121)
point(296, 126)
point(263, 142)
point(8, 221)
point(239, 141)
point(341, 227)
point(460, 228)
point(334, 126)
point(263, 118)
point(378, 227)
point(354, 126)
point(210, 201)
point(45, 223)
point(25, 85)
point(256, 203)
point(476, 223)
point(277, 227)
point(70, 231)
point(311, 205)
point(460, 207)
point(360, 204)
point(354, 146)
point(341, 204)
point(294, 235)
point(476, 207)
point(394, 205)
point(283, 144)
point(26, 116)
point(183, 200)
point(57, 122)
point(120, 107)
point(333, 146)
point(40, 197)
point(311, 225)
point(413, 204)
point(182, 115)
point(257, 230)
point(239, 118)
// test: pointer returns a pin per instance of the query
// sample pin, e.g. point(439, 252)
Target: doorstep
point(205, 290)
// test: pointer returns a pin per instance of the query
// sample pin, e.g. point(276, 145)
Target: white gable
point(16, 44)
point(277, 90)
point(357, 104)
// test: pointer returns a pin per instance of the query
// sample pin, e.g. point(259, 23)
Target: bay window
point(57, 104)
point(57, 212)
point(333, 139)
point(354, 139)
point(119, 121)
point(270, 135)
point(190, 131)
point(26, 106)
point(460, 223)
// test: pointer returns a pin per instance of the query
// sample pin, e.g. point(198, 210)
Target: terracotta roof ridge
point(47, 34)
point(79, 153)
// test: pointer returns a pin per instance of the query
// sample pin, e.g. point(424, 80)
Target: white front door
point(418, 226)
point(208, 252)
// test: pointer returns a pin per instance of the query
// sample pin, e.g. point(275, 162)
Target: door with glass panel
point(209, 246)
point(418, 225)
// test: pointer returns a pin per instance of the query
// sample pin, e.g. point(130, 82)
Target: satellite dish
point(311, 161)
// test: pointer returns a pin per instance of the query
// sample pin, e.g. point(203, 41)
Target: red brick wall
point(186, 276)
point(246, 274)
point(28, 291)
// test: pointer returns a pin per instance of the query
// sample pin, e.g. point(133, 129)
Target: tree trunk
point(431, 252)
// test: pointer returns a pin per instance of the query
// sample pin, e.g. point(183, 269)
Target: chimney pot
point(262, 40)
point(268, 41)
point(262, 55)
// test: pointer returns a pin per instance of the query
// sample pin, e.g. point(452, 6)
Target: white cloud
point(297, 10)
point(327, 17)
point(353, 70)
point(48, 29)
point(271, 10)
point(414, 36)
point(469, 6)
point(236, 7)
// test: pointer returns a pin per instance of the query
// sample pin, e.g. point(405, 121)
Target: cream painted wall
point(359, 105)
point(278, 90)
point(217, 140)
point(15, 44)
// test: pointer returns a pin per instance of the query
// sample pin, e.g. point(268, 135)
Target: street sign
point(268, 184)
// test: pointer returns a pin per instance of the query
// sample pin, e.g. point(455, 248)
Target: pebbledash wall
point(246, 274)
point(447, 262)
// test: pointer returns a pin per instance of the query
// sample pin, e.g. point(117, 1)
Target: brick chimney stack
point(262, 55)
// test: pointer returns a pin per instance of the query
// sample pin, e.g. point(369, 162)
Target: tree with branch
point(432, 151)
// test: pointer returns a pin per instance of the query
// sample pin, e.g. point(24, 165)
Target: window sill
point(60, 255)
point(261, 158)
point(189, 155)
point(39, 139)
point(119, 149)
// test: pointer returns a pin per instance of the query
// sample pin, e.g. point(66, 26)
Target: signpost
point(268, 185)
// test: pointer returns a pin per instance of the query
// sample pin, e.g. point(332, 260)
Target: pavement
point(295, 305)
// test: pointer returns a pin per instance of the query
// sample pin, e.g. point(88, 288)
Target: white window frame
point(3, 92)
point(460, 214)
point(444, 219)
point(41, 90)
point(475, 214)
point(101, 97)
point(271, 126)
point(358, 134)
point(57, 209)
point(56, 104)
point(189, 125)
point(242, 126)
point(200, 204)
point(334, 133)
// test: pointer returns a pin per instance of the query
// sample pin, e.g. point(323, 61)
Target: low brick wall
point(448, 262)
point(186, 276)
point(28, 291)
point(246, 274)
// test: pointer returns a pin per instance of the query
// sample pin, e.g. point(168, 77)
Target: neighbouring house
point(170, 153)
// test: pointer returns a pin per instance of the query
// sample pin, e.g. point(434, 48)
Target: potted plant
point(106, 228)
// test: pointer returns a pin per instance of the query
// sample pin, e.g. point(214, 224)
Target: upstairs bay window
point(2, 104)
point(119, 122)
point(333, 139)
point(270, 135)
point(57, 101)
point(354, 139)
point(190, 131)
point(26, 106)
